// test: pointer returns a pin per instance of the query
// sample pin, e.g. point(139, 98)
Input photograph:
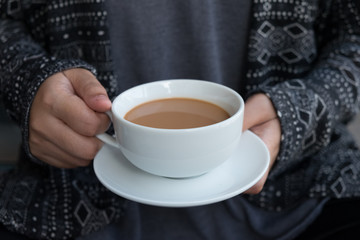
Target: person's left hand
point(260, 118)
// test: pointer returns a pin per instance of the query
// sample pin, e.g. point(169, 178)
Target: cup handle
point(106, 138)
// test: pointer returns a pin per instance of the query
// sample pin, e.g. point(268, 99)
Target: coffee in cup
point(171, 149)
point(176, 113)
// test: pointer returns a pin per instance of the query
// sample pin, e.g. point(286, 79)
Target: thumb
point(258, 109)
point(89, 89)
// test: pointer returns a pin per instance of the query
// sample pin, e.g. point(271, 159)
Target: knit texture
point(304, 54)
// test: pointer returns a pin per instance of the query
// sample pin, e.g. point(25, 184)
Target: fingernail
point(98, 98)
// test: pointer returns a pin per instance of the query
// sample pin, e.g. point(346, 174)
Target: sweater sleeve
point(24, 65)
point(310, 107)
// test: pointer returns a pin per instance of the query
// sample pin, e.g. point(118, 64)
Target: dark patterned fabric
point(318, 157)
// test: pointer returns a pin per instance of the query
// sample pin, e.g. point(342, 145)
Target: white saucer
point(233, 177)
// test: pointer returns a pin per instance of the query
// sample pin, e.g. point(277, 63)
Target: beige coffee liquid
point(176, 113)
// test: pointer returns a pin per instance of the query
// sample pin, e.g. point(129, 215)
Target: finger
point(78, 116)
point(270, 133)
point(258, 109)
point(46, 151)
point(51, 154)
point(89, 89)
point(77, 145)
point(65, 139)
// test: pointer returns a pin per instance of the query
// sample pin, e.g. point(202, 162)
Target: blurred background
point(10, 138)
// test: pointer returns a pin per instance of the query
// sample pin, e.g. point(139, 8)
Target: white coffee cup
point(177, 153)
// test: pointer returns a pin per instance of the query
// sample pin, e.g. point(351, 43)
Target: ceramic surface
point(233, 177)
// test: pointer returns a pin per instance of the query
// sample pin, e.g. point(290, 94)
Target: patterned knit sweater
point(304, 54)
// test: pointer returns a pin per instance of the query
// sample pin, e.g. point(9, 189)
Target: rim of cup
point(232, 117)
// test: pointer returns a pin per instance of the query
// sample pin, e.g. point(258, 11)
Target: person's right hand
point(67, 112)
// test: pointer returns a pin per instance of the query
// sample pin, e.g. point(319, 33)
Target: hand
point(66, 114)
point(260, 117)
